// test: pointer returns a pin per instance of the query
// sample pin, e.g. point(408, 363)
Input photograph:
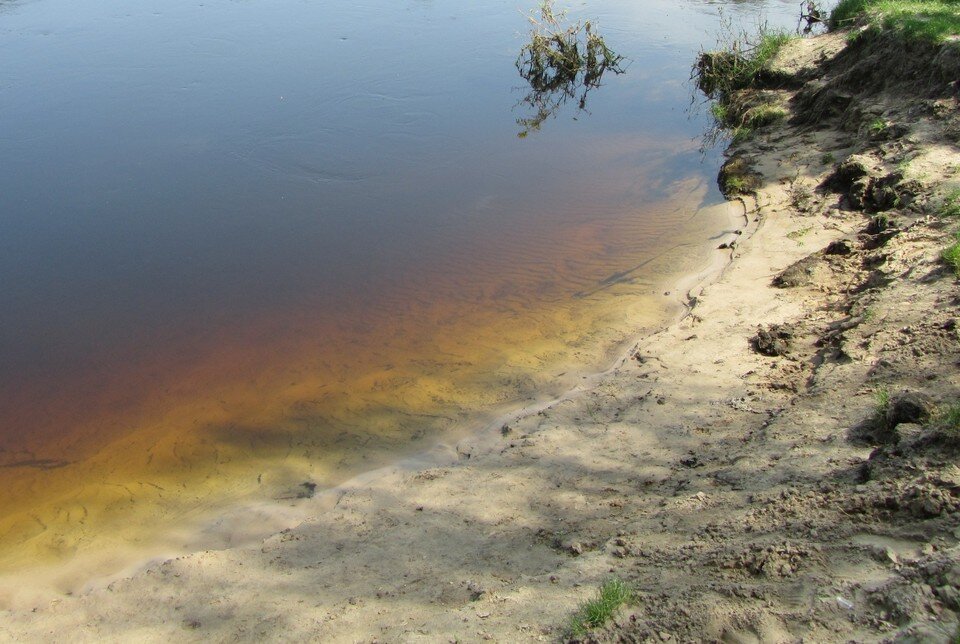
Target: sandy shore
point(745, 497)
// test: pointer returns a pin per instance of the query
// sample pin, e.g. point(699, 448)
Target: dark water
point(223, 222)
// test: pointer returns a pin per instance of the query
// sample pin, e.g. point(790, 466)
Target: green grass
point(720, 112)
point(763, 115)
point(768, 46)
point(881, 397)
point(951, 255)
point(930, 20)
point(736, 185)
point(741, 126)
point(740, 64)
point(950, 207)
point(877, 126)
point(948, 418)
point(846, 13)
point(749, 120)
point(740, 134)
point(797, 235)
point(595, 612)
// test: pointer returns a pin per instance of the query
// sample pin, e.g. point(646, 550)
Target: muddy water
point(245, 245)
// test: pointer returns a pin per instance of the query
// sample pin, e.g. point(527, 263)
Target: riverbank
point(748, 471)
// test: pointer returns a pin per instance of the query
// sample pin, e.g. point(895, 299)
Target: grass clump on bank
point(743, 63)
point(593, 613)
point(741, 122)
point(729, 77)
point(764, 114)
point(930, 20)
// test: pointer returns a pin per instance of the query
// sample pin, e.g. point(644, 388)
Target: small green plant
point(800, 196)
point(797, 235)
point(593, 613)
point(950, 207)
point(828, 158)
point(881, 398)
point(951, 255)
point(877, 126)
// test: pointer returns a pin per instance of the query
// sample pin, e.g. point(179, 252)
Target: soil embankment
point(781, 464)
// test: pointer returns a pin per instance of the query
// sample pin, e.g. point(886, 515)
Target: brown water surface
point(248, 245)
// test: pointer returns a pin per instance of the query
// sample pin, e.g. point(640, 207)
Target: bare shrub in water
point(560, 64)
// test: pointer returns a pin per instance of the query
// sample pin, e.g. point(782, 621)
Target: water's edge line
point(480, 436)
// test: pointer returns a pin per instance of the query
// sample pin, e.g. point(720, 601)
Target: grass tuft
point(595, 612)
point(800, 196)
point(948, 419)
point(741, 63)
point(951, 255)
point(881, 397)
point(877, 126)
point(950, 207)
point(737, 185)
point(797, 235)
point(763, 115)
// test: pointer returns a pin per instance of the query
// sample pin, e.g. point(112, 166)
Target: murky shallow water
point(249, 244)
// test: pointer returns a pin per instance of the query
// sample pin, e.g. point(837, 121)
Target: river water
point(250, 244)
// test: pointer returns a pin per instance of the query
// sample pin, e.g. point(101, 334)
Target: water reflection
point(561, 64)
point(760, 10)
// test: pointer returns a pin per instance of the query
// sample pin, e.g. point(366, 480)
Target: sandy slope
point(746, 497)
